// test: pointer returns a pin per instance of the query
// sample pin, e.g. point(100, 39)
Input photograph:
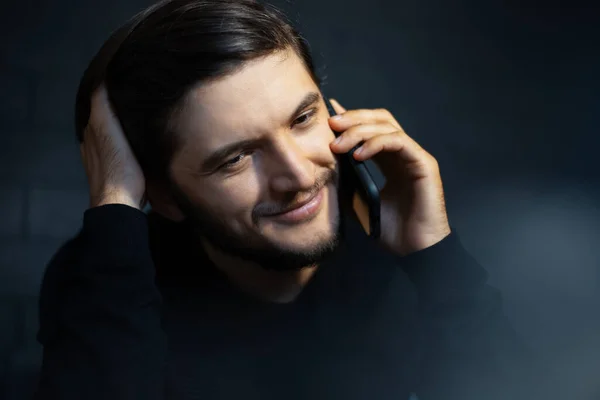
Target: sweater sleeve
point(100, 317)
point(470, 349)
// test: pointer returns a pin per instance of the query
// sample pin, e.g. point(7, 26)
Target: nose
point(291, 168)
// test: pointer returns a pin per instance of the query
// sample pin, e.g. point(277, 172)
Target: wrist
point(422, 242)
point(115, 198)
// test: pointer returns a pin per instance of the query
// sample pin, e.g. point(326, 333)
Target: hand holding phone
point(361, 187)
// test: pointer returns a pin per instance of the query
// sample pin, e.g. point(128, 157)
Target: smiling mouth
point(297, 205)
point(301, 212)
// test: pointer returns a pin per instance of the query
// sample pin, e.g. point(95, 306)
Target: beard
point(268, 255)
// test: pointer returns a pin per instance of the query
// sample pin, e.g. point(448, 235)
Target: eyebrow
point(215, 158)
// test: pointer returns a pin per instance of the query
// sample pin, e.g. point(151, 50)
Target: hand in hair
point(114, 175)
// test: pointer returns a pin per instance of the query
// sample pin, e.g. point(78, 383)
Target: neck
point(269, 285)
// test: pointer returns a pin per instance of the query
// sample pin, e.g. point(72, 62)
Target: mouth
point(303, 211)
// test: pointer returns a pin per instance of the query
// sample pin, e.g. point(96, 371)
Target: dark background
point(505, 94)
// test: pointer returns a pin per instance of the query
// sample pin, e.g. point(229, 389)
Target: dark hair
point(150, 63)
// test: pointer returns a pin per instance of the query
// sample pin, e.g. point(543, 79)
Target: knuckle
point(398, 133)
point(432, 162)
point(384, 112)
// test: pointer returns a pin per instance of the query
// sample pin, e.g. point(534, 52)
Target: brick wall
point(479, 87)
point(45, 46)
point(507, 100)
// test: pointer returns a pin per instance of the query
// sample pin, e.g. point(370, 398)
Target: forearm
point(471, 349)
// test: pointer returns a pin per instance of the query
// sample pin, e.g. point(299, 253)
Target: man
point(248, 279)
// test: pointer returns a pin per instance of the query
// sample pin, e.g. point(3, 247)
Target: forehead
point(252, 102)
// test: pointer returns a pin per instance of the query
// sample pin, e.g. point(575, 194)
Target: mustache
point(296, 198)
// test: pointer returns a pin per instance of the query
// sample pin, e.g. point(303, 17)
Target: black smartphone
point(359, 185)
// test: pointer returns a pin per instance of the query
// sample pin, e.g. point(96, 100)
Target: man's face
point(255, 173)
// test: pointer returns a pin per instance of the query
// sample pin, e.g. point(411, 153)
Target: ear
point(161, 200)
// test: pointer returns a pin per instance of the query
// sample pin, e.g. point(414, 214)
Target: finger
point(99, 106)
point(337, 106)
point(102, 116)
point(104, 124)
point(86, 160)
point(398, 143)
point(87, 140)
point(359, 133)
point(345, 120)
point(93, 143)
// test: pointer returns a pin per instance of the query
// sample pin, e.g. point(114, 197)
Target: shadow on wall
point(540, 241)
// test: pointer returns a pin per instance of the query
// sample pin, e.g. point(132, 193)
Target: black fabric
point(132, 309)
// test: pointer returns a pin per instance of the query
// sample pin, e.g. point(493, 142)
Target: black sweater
point(132, 309)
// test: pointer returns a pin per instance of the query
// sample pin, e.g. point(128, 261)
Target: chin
point(303, 245)
point(305, 237)
point(318, 230)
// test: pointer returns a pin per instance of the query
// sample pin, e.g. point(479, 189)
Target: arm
point(470, 348)
point(100, 322)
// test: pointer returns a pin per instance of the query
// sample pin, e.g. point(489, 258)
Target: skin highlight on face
point(255, 174)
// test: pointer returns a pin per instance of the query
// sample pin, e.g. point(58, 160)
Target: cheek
point(233, 200)
point(316, 143)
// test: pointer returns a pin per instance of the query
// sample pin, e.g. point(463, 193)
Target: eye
point(235, 161)
point(305, 118)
